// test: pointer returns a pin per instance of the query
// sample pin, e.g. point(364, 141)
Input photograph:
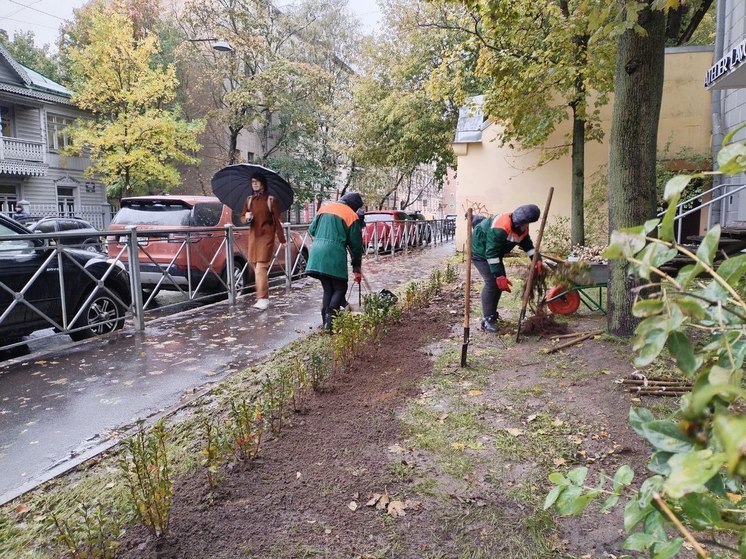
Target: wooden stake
point(467, 288)
point(587, 336)
point(530, 281)
point(576, 334)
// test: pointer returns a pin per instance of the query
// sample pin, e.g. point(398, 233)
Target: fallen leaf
point(734, 498)
point(458, 446)
point(558, 461)
point(297, 475)
point(383, 502)
point(442, 418)
point(328, 531)
point(21, 509)
point(373, 500)
point(396, 449)
point(557, 423)
point(412, 505)
point(531, 417)
point(515, 432)
point(352, 506)
point(475, 392)
point(396, 508)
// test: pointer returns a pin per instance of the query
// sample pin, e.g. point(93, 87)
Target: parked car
point(73, 231)
point(424, 231)
point(31, 301)
point(387, 227)
point(174, 239)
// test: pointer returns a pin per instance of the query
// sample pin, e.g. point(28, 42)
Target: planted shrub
point(245, 428)
point(211, 452)
point(147, 476)
point(318, 365)
point(90, 532)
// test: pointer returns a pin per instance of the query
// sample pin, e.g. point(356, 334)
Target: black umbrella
point(232, 185)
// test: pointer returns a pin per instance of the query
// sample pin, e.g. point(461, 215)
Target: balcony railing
point(22, 150)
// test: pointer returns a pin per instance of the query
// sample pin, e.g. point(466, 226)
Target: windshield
point(12, 247)
point(371, 218)
point(153, 214)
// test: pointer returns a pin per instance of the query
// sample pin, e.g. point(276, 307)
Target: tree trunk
point(638, 89)
point(577, 219)
point(232, 144)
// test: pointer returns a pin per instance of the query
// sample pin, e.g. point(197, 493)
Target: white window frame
point(57, 128)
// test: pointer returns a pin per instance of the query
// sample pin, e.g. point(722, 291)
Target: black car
point(73, 231)
point(450, 224)
point(34, 275)
point(424, 231)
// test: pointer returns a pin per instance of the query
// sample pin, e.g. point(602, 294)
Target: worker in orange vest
point(492, 239)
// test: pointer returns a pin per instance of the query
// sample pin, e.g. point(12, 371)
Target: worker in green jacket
point(493, 238)
point(335, 230)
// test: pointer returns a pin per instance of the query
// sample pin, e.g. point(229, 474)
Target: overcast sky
point(44, 17)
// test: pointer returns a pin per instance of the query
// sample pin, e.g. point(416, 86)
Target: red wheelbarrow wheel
point(562, 301)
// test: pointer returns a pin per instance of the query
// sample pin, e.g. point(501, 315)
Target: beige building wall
point(496, 179)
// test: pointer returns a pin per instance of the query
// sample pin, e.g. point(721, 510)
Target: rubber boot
point(489, 323)
point(327, 318)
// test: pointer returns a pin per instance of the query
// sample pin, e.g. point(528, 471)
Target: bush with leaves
point(90, 532)
point(699, 459)
point(147, 476)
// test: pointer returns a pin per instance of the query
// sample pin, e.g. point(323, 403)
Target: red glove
point(503, 283)
point(357, 277)
point(539, 268)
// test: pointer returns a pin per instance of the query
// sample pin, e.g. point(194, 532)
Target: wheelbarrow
point(585, 287)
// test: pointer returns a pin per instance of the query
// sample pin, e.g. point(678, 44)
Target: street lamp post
point(219, 45)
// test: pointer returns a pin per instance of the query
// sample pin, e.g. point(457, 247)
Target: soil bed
point(466, 451)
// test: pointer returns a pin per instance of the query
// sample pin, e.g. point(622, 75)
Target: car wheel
point(102, 315)
point(300, 268)
point(92, 245)
point(241, 278)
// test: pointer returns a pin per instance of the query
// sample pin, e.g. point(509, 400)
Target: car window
point(13, 246)
point(153, 213)
point(372, 218)
point(206, 215)
point(68, 225)
point(44, 227)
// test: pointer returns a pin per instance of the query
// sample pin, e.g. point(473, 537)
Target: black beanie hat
point(523, 215)
point(352, 199)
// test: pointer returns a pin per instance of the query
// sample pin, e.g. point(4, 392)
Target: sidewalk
point(63, 407)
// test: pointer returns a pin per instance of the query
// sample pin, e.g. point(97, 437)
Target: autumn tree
point(638, 89)
point(135, 138)
point(275, 88)
point(542, 63)
point(395, 126)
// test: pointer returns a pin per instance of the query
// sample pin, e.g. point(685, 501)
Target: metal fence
point(49, 263)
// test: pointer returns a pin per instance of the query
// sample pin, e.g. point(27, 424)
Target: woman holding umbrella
point(262, 214)
point(335, 230)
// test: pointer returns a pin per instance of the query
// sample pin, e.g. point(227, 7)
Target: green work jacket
point(335, 230)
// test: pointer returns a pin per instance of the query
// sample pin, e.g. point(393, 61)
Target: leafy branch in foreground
point(699, 456)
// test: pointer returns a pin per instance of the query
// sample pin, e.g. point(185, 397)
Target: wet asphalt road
point(63, 406)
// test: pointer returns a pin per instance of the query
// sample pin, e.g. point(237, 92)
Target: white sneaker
point(261, 304)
